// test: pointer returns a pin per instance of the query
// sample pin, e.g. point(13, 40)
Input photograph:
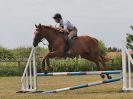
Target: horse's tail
point(102, 53)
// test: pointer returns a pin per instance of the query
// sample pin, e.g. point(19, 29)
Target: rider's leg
point(72, 34)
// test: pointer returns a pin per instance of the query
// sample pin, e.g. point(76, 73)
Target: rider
point(66, 26)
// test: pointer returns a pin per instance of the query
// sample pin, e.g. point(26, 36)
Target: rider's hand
point(61, 30)
point(64, 30)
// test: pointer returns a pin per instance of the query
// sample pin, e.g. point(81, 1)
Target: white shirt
point(66, 25)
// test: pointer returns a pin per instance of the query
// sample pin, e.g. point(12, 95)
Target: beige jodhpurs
point(73, 33)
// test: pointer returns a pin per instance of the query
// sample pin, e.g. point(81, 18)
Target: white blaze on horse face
point(38, 37)
point(35, 32)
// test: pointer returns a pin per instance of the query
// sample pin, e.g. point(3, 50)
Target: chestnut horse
point(85, 46)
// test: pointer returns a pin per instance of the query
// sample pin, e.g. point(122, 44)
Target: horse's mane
point(53, 28)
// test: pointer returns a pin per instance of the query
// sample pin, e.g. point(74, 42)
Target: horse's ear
point(39, 26)
point(35, 25)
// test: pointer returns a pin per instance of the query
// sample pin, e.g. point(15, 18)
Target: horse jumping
point(85, 46)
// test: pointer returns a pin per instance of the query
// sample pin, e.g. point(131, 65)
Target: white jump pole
point(126, 68)
point(29, 78)
point(34, 71)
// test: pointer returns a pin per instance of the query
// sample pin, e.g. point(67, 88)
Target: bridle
point(43, 42)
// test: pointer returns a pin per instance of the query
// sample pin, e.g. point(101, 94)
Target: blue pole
point(84, 85)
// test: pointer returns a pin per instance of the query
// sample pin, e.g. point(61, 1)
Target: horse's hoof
point(102, 75)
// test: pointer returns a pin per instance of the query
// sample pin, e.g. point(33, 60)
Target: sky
point(106, 20)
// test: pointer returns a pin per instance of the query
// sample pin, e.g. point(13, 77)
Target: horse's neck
point(50, 35)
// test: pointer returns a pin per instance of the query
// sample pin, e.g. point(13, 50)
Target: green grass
point(9, 86)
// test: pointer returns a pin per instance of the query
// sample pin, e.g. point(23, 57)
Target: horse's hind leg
point(95, 60)
point(99, 68)
point(105, 68)
point(102, 61)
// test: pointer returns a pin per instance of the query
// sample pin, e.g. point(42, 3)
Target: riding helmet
point(57, 16)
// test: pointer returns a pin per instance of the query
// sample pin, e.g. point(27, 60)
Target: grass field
point(9, 86)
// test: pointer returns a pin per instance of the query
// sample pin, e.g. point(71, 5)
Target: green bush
point(5, 54)
point(102, 47)
point(9, 71)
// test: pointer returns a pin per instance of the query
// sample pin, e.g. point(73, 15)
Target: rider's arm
point(65, 25)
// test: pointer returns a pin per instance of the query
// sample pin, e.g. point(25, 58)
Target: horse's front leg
point(47, 57)
point(44, 68)
point(48, 64)
point(50, 48)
